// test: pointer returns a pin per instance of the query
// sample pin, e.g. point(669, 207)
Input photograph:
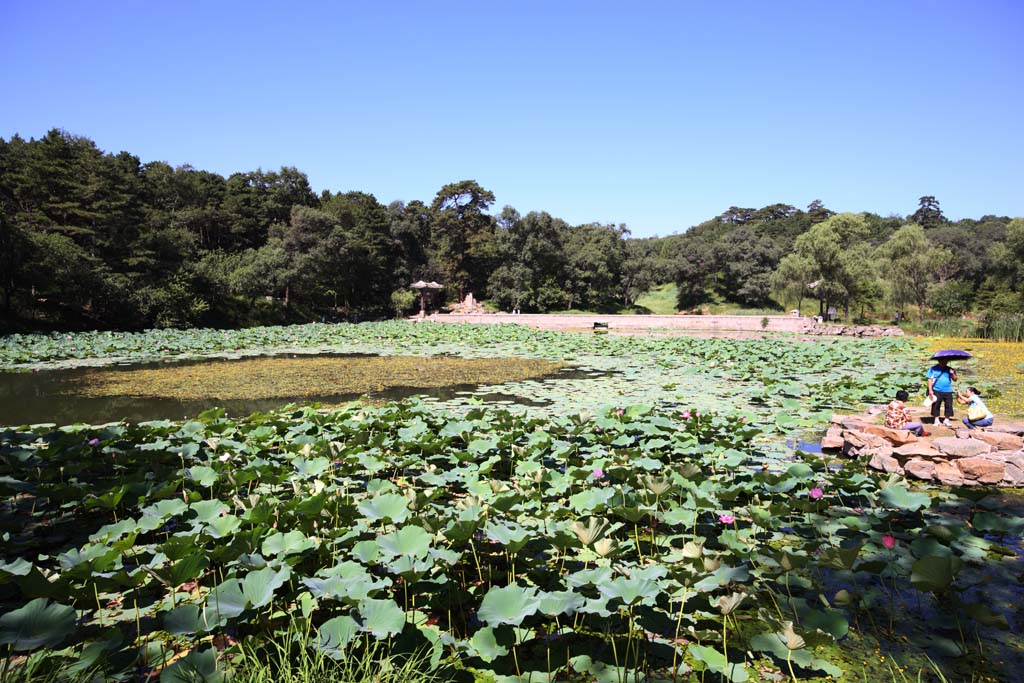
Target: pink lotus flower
point(93, 442)
point(620, 411)
point(816, 493)
point(598, 473)
point(685, 414)
point(726, 518)
point(889, 541)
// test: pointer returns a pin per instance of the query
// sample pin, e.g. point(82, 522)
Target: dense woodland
point(98, 240)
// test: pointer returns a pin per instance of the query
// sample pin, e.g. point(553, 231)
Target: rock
point(922, 469)
point(1013, 476)
point(948, 473)
point(1015, 458)
point(961, 448)
point(1002, 441)
point(874, 410)
point(897, 437)
point(1007, 428)
point(832, 443)
point(849, 421)
point(918, 449)
point(885, 463)
point(855, 443)
point(834, 430)
point(982, 469)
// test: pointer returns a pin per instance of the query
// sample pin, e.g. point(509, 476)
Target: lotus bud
point(306, 450)
point(538, 476)
point(712, 564)
point(728, 603)
point(213, 442)
point(843, 597)
point(604, 547)
point(791, 638)
point(591, 532)
point(410, 495)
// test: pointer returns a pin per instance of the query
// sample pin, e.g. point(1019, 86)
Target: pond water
point(64, 396)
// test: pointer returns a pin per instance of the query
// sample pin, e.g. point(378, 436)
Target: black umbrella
point(951, 354)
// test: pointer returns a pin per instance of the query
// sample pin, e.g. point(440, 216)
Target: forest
point(94, 240)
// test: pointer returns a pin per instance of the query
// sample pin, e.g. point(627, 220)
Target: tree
point(928, 214)
point(818, 213)
point(826, 246)
point(744, 264)
point(951, 298)
point(914, 265)
point(595, 254)
point(532, 262)
point(462, 242)
point(694, 265)
point(792, 276)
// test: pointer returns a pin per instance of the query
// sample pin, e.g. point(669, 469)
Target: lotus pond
point(646, 524)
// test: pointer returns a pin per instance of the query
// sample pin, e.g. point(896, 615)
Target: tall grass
point(1004, 327)
point(294, 657)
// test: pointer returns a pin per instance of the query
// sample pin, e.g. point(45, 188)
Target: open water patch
point(183, 388)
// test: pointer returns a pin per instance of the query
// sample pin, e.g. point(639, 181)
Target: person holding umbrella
point(940, 383)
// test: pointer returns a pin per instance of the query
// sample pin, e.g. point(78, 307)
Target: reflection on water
point(47, 396)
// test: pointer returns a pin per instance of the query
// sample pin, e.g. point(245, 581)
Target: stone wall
point(962, 457)
point(724, 323)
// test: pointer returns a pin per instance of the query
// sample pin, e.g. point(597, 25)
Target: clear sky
point(654, 114)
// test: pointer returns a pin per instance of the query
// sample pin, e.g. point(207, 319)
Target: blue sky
point(655, 114)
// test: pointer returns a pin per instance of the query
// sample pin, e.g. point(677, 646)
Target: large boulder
point(1007, 428)
point(885, 462)
point(1014, 476)
point(856, 442)
point(896, 437)
point(917, 449)
point(1001, 441)
point(920, 468)
point(982, 469)
point(948, 474)
point(850, 421)
point(832, 443)
point(961, 448)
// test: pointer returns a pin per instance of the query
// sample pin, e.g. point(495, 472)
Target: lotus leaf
point(934, 573)
point(288, 543)
point(715, 661)
point(259, 586)
point(900, 497)
point(409, 540)
point(198, 666)
point(335, 634)
point(40, 623)
point(508, 605)
point(382, 618)
point(226, 601)
point(389, 506)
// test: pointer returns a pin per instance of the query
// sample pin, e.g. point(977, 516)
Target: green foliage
point(952, 298)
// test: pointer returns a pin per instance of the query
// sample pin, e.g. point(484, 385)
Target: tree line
point(92, 239)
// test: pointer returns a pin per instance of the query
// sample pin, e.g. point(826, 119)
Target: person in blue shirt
point(978, 414)
point(940, 389)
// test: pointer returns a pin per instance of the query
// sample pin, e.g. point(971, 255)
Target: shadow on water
point(50, 396)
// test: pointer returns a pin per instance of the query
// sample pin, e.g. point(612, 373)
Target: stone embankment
point(955, 457)
point(700, 323)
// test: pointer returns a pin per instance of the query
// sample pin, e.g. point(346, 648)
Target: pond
point(183, 389)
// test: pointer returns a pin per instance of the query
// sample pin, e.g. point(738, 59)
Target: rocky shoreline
point(992, 456)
